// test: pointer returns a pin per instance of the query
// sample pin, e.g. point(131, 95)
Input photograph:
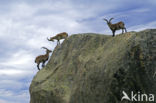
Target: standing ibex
point(58, 37)
point(42, 58)
point(116, 26)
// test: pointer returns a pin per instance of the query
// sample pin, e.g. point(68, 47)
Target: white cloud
point(3, 101)
point(11, 84)
point(10, 72)
point(13, 97)
point(18, 59)
point(150, 25)
point(141, 10)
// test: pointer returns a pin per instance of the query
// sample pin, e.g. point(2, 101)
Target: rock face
point(94, 68)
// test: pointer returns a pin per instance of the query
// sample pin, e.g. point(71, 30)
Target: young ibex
point(42, 58)
point(116, 26)
point(58, 37)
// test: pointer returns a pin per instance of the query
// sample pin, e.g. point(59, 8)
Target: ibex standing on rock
point(42, 58)
point(116, 26)
point(58, 37)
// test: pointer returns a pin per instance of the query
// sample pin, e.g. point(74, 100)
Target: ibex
point(58, 37)
point(42, 58)
point(116, 26)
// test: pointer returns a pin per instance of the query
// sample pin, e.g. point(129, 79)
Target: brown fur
point(58, 37)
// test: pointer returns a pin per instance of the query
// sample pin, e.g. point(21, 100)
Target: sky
point(25, 25)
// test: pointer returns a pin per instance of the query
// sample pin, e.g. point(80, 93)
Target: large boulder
point(94, 68)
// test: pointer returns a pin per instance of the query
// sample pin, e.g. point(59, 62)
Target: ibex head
point(51, 39)
point(46, 49)
point(108, 22)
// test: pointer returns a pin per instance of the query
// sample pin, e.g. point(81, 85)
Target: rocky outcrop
point(94, 68)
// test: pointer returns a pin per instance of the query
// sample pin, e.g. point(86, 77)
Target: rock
point(94, 68)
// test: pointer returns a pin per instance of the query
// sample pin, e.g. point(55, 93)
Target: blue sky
point(25, 25)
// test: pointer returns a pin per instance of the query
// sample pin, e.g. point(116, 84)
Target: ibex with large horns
point(42, 58)
point(116, 26)
point(58, 37)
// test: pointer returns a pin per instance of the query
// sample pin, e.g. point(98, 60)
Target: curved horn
point(110, 19)
point(45, 48)
point(105, 20)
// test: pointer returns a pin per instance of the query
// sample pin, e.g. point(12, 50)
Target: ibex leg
point(122, 31)
point(38, 66)
point(43, 64)
point(113, 33)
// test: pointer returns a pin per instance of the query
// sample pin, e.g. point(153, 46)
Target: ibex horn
point(105, 20)
point(45, 48)
point(110, 19)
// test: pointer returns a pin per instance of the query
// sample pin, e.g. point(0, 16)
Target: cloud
point(12, 85)
point(3, 101)
point(19, 59)
point(13, 97)
point(10, 72)
point(150, 25)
